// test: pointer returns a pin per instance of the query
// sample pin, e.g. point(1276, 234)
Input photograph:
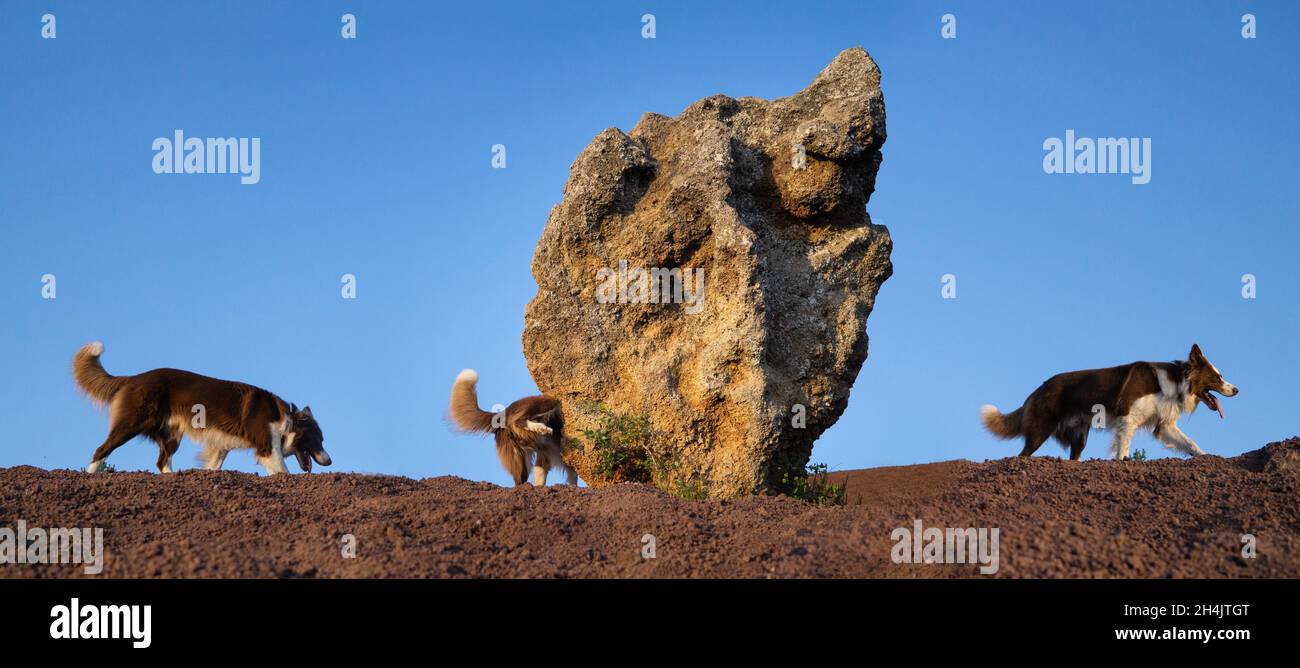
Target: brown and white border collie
point(1150, 395)
point(166, 404)
point(529, 431)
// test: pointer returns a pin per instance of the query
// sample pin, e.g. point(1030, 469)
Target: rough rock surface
point(768, 200)
point(1099, 518)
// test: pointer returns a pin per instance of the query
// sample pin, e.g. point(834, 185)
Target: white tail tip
point(468, 376)
point(989, 409)
point(94, 349)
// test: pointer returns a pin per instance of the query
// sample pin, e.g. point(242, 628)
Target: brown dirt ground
point(1165, 518)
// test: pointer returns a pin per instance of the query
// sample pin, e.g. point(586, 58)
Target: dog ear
point(1196, 356)
point(306, 410)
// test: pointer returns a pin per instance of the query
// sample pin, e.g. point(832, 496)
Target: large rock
point(791, 265)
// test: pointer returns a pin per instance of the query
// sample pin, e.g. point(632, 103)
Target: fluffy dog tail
point(1002, 425)
point(91, 376)
point(464, 404)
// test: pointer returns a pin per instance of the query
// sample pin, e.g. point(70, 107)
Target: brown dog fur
point(1138, 395)
point(528, 431)
point(161, 405)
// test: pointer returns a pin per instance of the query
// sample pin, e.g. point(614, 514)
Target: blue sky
point(376, 162)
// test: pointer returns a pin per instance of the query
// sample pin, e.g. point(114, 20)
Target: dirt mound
point(1166, 518)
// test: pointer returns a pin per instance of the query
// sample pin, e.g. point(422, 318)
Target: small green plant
point(620, 444)
point(692, 490)
point(813, 484)
point(623, 450)
point(1139, 456)
point(665, 474)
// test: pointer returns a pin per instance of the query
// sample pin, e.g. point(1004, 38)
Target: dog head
point(1203, 378)
point(308, 442)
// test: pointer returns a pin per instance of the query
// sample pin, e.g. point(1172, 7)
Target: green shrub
point(665, 474)
point(619, 444)
point(1139, 456)
point(623, 449)
point(812, 484)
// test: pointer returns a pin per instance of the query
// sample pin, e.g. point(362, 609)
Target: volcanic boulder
point(712, 273)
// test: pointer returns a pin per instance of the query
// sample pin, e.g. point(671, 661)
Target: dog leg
point(1123, 436)
point(274, 462)
point(1033, 441)
point(513, 459)
point(1079, 440)
point(214, 458)
point(1174, 438)
point(1073, 433)
point(539, 475)
point(116, 437)
point(538, 428)
point(167, 446)
point(570, 476)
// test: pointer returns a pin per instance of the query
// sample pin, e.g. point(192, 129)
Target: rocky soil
point(1166, 518)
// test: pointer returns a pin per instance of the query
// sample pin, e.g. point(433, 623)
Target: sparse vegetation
point(1139, 455)
point(623, 450)
point(620, 444)
point(664, 473)
point(813, 484)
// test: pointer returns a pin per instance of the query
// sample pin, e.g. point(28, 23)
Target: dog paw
point(539, 428)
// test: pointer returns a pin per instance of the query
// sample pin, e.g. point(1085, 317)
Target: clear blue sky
point(375, 161)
